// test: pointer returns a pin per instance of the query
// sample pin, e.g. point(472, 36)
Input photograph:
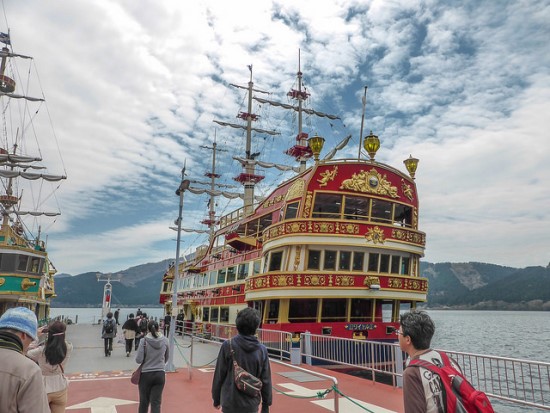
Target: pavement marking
point(297, 390)
point(345, 405)
point(102, 405)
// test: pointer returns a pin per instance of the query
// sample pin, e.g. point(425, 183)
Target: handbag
point(245, 382)
point(136, 375)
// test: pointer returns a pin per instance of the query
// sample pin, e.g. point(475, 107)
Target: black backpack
point(109, 327)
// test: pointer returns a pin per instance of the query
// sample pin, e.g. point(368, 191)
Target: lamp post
point(184, 184)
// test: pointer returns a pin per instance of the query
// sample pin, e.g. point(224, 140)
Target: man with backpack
point(108, 332)
point(432, 382)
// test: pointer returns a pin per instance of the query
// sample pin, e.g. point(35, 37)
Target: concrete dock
point(100, 384)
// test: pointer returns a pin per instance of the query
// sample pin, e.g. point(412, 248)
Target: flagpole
point(170, 367)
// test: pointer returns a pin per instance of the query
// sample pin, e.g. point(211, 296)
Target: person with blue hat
point(21, 387)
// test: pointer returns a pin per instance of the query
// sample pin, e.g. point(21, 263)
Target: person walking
point(142, 328)
point(252, 356)
point(167, 320)
point(153, 353)
point(179, 323)
point(51, 357)
point(21, 386)
point(129, 330)
point(108, 332)
point(422, 393)
point(117, 313)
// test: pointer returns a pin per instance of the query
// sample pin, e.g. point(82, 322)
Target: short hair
point(248, 321)
point(109, 315)
point(419, 327)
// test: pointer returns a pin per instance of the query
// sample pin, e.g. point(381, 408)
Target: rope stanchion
point(187, 361)
point(318, 395)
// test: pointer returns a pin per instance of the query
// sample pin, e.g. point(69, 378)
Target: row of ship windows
point(326, 260)
point(304, 310)
point(331, 260)
point(356, 208)
point(20, 263)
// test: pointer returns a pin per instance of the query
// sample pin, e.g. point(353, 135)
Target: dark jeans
point(108, 345)
point(137, 342)
point(151, 385)
point(129, 342)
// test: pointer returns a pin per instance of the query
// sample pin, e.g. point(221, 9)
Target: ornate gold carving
point(2, 281)
point(344, 281)
point(307, 206)
point(323, 227)
point(282, 280)
point(351, 228)
point(415, 218)
point(395, 283)
point(297, 257)
point(407, 190)
point(369, 280)
point(370, 182)
point(375, 235)
point(296, 189)
point(328, 176)
point(26, 284)
point(408, 236)
point(314, 280)
point(260, 282)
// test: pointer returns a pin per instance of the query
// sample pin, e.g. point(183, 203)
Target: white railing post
point(307, 346)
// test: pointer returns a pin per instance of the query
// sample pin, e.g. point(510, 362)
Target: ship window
point(381, 211)
point(213, 277)
point(373, 262)
point(356, 207)
point(387, 311)
point(256, 267)
point(405, 265)
point(205, 279)
point(384, 263)
point(358, 259)
point(35, 265)
point(327, 206)
point(221, 275)
point(345, 261)
point(273, 312)
point(302, 310)
point(330, 260)
point(8, 262)
point(22, 263)
point(404, 307)
point(361, 310)
point(205, 313)
point(224, 314)
point(314, 260)
point(231, 274)
point(265, 221)
point(291, 210)
point(334, 309)
point(243, 271)
point(275, 261)
point(402, 215)
point(395, 264)
point(214, 314)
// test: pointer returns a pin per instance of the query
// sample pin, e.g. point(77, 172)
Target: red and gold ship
point(334, 250)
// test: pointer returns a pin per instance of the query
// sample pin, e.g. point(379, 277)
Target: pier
point(100, 384)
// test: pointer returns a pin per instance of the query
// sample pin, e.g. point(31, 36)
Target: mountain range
point(471, 285)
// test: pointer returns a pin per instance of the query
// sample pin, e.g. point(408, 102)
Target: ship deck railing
point(515, 381)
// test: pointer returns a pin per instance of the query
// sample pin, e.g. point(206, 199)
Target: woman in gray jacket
point(153, 353)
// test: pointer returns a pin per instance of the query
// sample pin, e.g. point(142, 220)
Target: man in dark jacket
point(252, 356)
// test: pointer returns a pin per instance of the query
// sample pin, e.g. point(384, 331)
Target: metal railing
point(513, 380)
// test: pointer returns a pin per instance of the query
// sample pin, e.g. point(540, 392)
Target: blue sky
point(133, 87)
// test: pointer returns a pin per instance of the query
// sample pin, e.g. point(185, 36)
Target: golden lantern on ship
point(316, 144)
point(411, 164)
point(371, 144)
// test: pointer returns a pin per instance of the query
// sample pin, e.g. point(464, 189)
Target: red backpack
point(460, 395)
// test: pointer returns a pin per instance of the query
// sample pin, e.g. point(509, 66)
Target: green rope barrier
point(318, 395)
point(351, 400)
point(188, 362)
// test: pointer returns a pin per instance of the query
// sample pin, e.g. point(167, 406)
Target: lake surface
point(92, 315)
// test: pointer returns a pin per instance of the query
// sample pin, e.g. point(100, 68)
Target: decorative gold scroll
point(296, 190)
point(375, 235)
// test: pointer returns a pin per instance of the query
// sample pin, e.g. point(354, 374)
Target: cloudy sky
point(133, 88)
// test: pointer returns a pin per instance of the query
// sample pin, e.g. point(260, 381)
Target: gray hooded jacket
point(155, 352)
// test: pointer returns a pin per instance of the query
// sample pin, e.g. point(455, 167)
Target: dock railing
point(516, 381)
